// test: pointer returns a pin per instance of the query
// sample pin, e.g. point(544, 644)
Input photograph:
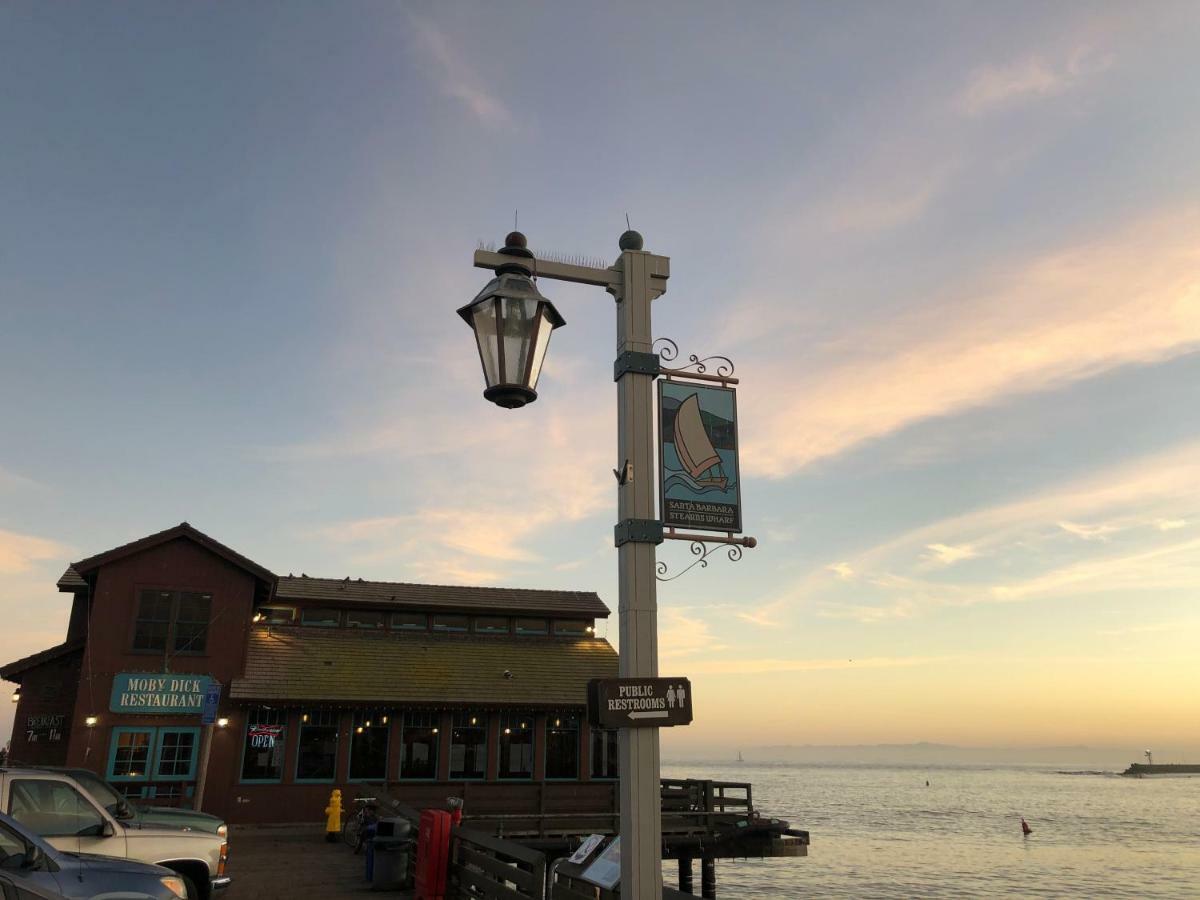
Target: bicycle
point(366, 814)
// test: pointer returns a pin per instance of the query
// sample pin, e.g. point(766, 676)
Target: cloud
point(1129, 501)
point(947, 555)
point(457, 78)
point(757, 665)
point(1170, 524)
point(20, 552)
point(842, 570)
point(1030, 78)
point(1130, 298)
point(1089, 532)
point(690, 635)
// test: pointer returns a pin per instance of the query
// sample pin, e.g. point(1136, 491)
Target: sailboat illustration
point(694, 449)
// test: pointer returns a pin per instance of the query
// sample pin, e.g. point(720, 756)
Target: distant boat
point(695, 450)
point(739, 759)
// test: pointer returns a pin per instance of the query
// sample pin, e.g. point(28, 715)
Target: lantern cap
point(516, 286)
point(631, 240)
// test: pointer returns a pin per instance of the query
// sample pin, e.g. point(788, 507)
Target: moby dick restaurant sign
point(148, 693)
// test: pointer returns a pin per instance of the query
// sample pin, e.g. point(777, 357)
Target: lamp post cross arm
point(485, 259)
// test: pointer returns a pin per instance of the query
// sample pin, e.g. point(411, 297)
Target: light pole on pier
point(512, 322)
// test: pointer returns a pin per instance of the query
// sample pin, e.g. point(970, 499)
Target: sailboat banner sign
point(699, 483)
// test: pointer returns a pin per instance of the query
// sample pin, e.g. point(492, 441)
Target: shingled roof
point(182, 530)
point(438, 596)
point(308, 664)
point(26, 663)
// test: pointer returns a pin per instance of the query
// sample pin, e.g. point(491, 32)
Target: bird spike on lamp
point(512, 322)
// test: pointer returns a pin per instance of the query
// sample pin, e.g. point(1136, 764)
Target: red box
point(433, 854)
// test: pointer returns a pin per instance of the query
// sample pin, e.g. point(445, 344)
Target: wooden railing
point(490, 868)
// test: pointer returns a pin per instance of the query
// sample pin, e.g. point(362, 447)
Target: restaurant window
point(175, 758)
point(406, 621)
point(604, 753)
point(278, 615)
point(364, 619)
point(572, 627)
point(491, 625)
point(321, 618)
point(562, 745)
point(129, 754)
point(531, 626)
point(316, 756)
point(468, 745)
point(172, 619)
point(419, 744)
point(516, 745)
point(262, 751)
point(449, 623)
point(368, 746)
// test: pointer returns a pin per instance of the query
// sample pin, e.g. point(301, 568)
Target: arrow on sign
point(657, 714)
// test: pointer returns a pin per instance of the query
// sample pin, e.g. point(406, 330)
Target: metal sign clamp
point(638, 531)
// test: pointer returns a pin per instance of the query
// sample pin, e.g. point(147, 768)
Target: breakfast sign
point(152, 694)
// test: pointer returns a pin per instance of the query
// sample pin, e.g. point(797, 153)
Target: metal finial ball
point(630, 240)
point(516, 239)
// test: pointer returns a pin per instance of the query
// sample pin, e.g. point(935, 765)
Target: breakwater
point(1137, 770)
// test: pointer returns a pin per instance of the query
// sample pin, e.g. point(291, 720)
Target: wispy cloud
point(456, 77)
point(1029, 78)
point(947, 554)
point(842, 570)
point(756, 665)
point(1132, 297)
point(1125, 505)
point(20, 552)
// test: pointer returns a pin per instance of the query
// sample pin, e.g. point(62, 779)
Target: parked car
point(139, 813)
point(58, 808)
point(33, 868)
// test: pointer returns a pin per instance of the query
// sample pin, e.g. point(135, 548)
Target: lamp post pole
point(635, 281)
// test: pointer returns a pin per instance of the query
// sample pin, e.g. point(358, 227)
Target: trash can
point(393, 839)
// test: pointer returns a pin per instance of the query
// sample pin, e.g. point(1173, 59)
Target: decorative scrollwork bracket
point(697, 367)
point(702, 546)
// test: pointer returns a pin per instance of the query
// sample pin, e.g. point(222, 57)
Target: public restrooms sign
point(699, 483)
point(150, 694)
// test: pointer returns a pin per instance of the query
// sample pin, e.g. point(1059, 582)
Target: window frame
point(560, 628)
point(241, 769)
point(526, 632)
point(158, 748)
point(602, 733)
point(485, 727)
point(151, 752)
point(435, 728)
point(466, 626)
point(394, 627)
point(320, 609)
point(475, 629)
point(172, 621)
point(546, 745)
point(348, 614)
point(359, 718)
point(515, 716)
point(337, 735)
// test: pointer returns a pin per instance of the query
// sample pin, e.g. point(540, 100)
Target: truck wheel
point(192, 891)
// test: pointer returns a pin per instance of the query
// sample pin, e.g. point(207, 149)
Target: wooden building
point(438, 691)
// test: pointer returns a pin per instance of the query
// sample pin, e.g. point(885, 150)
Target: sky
point(953, 250)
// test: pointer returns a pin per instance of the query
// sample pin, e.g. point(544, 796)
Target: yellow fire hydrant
point(333, 817)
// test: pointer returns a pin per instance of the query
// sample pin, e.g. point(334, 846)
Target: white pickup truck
point(62, 811)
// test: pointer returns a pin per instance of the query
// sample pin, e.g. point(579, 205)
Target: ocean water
point(878, 831)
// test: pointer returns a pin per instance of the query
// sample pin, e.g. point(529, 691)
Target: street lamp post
point(635, 280)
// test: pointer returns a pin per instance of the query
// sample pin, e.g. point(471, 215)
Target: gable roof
point(182, 530)
point(71, 581)
point(34, 660)
point(311, 664)
point(402, 595)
